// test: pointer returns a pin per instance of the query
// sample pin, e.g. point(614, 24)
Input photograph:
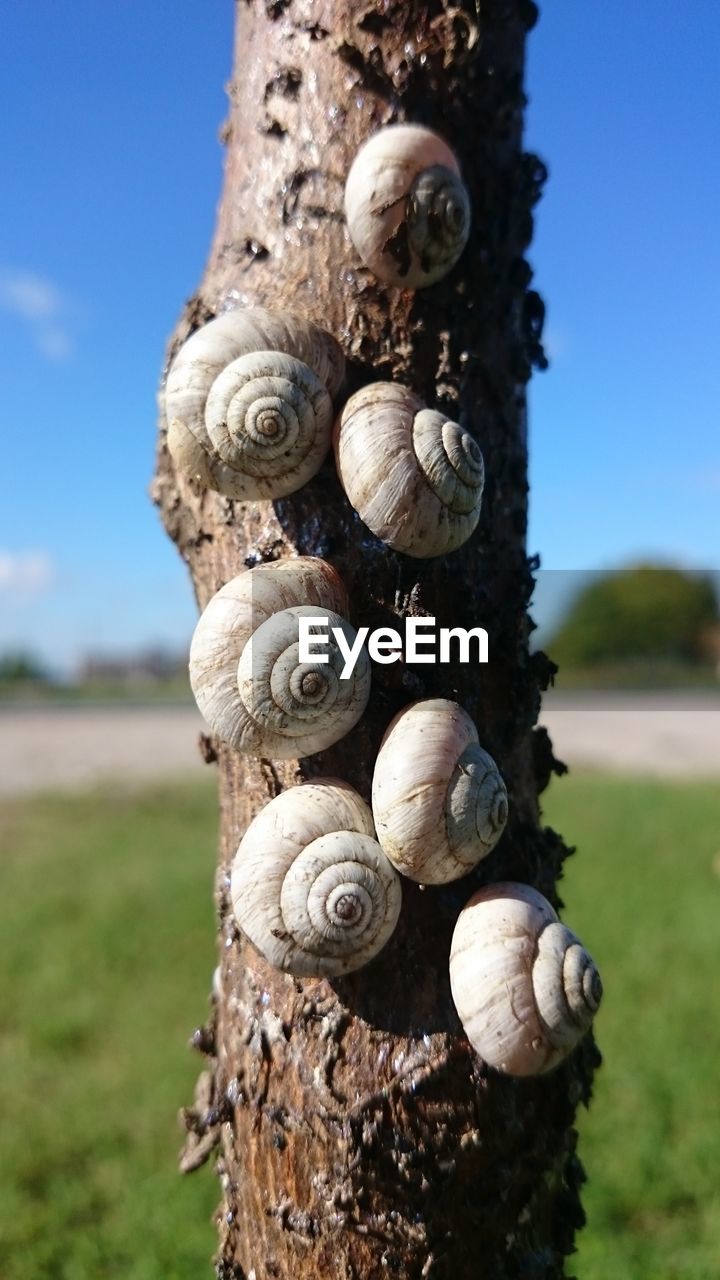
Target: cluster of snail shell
point(251, 397)
point(316, 881)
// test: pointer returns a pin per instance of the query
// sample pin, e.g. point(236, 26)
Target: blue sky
point(110, 139)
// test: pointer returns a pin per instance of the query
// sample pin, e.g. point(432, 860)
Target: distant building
point(156, 666)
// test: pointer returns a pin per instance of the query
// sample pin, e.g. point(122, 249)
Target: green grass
point(644, 893)
point(106, 955)
point(106, 952)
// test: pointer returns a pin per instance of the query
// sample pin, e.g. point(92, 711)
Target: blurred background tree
point(20, 667)
point(645, 614)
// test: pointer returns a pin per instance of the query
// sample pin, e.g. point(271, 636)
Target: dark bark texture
point(360, 1136)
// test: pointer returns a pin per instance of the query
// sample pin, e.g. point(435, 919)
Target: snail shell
point(415, 478)
point(248, 402)
point(310, 885)
point(407, 209)
point(524, 987)
point(244, 667)
point(438, 800)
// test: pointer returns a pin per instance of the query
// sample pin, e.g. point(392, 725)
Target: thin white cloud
point(38, 302)
point(31, 296)
point(25, 573)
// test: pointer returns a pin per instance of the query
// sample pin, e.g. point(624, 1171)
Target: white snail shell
point(407, 209)
point(310, 885)
point(438, 800)
point(248, 402)
point(524, 987)
point(415, 478)
point(244, 667)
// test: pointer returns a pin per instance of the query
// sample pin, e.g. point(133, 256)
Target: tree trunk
point(361, 1136)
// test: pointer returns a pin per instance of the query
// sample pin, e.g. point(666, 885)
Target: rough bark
point(361, 1137)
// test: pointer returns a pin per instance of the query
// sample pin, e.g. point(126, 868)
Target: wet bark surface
point(360, 1136)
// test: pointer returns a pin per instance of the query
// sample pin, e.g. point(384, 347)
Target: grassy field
point(644, 893)
point(106, 951)
point(106, 954)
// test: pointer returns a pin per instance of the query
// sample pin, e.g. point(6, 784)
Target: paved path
point(668, 735)
point(78, 746)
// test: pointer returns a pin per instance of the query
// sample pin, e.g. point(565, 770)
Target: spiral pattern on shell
point(248, 402)
point(563, 964)
point(406, 206)
point(438, 800)
point(413, 477)
point(245, 670)
point(310, 886)
point(525, 989)
point(438, 219)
